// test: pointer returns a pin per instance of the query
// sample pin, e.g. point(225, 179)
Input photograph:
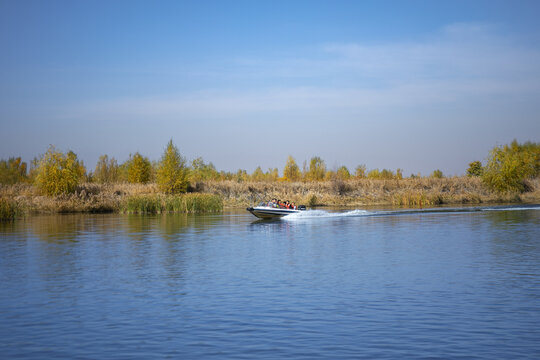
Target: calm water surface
point(329, 285)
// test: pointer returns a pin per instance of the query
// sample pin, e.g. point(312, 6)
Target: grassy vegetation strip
point(158, 204)
point(360, 192)
point(211, 196)
point(9, 210)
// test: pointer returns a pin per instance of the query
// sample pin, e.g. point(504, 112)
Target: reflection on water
point(410, 284)
point(70, 227)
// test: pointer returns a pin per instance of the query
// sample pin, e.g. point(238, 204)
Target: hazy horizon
point(417, 85)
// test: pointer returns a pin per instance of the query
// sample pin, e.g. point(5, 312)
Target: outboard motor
point(301, 207)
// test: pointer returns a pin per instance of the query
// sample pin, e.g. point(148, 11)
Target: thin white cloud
point(458, 51)
point(465, 81)
point(460, 62)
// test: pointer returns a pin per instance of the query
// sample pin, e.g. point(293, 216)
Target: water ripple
point(453, 284)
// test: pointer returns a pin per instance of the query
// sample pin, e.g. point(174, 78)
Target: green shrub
point(241, 176)
point(172, 174)
point(374, 174)
point(330, 175)
point(387, 174)
point(317, 169)
point(33, 170)
point(59, 173)
point(12, 171)
point(138, 169)
point(475, 169)
point(200, 203)
point(258, 175)
point(184, 203)
point(272, 174)
point(201, 171)
point(291, 171)
point(509, 166)
point(437, 174)
point(9, 209)
point(343, 173)
point(106, 171)
point(360, 171)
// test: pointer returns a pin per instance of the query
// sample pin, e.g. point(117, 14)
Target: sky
point(415, 85)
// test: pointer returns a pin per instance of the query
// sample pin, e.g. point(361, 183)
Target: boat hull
point(264, 212)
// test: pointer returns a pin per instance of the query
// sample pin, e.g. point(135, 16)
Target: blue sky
point(416, 85)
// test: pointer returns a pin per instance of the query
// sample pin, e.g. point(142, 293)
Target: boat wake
point(323, 214)
point(317, 214)
point(531, 207)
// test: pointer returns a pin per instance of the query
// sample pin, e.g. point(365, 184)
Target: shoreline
point(214, 196)
point(367, 192)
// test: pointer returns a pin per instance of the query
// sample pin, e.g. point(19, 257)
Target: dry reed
point(361, 192)
point(91, 197)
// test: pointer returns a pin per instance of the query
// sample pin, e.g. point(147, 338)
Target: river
point(449, 284)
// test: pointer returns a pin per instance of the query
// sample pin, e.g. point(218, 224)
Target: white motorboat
point(264, 211)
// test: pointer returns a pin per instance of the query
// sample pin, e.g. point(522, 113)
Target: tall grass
point(414, 198)
point(212, 196)
point(359, 192)
point(9, 209)
point(186, 203)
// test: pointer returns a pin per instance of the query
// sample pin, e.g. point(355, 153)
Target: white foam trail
point(322, 214)
point(318, 214)
point(512, 208)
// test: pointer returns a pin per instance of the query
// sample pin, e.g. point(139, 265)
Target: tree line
point(507, 169)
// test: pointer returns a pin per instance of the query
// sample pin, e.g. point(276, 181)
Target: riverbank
point(97, 198)
point(366, 192)
point(212, 196)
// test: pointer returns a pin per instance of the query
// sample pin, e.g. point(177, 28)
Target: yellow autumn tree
point(509, 166)
point(258, 175)
point(291, 172)
point(172, 174)
point(317, 169)
point(360, 171)
point(106, 171)
point(12, 171)
point(138, 169)
point(343, 173)
point(59, 173)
